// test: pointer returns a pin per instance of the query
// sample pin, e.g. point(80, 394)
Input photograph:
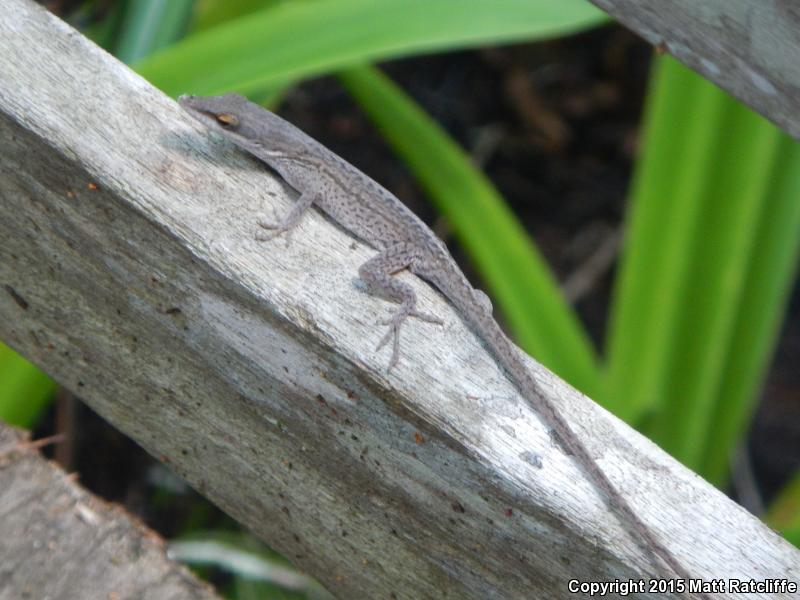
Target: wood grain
point(59, 541)
point(751, 48)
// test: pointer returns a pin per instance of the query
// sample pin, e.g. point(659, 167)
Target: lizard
point(376, 216)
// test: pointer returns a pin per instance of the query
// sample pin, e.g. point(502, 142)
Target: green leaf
point(712, 243)
point(24, 390)
point(295, 40)
point(724, 233)
point(768, 275)
point(149, 25)
point(508, 261)
point(210, 13)
point(661, 212)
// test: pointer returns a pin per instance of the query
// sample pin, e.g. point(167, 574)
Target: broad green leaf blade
point(296, 40)
point(149, 25)
point(210, 13)
point(724, 236)
point(24, 390)
point(768, 278)
point(680, 128)
point(509, 263)
point(712, 244)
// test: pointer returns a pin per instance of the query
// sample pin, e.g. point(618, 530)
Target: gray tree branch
point(751, 48)
point(58, 541)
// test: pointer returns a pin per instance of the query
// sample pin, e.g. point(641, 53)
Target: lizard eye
point(227, 120)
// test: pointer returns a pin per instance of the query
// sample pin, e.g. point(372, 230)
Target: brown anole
point(373, 214)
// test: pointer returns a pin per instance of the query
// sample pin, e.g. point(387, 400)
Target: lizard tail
point(467, 300)
point(572, 444)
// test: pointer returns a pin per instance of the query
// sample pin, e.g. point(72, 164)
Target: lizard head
point(244, 122)
point(221, 111)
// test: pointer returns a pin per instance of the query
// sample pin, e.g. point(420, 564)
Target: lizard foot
point(276, 227)
point(266, 237)
point(394, 323)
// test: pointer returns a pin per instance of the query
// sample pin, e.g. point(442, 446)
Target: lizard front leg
point(377, 273)
point(289, 222)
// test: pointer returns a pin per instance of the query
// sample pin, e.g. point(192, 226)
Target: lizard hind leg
point(378, 275)
point(288, 223)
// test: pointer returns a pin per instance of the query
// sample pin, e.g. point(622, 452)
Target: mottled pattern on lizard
point(375, 215)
